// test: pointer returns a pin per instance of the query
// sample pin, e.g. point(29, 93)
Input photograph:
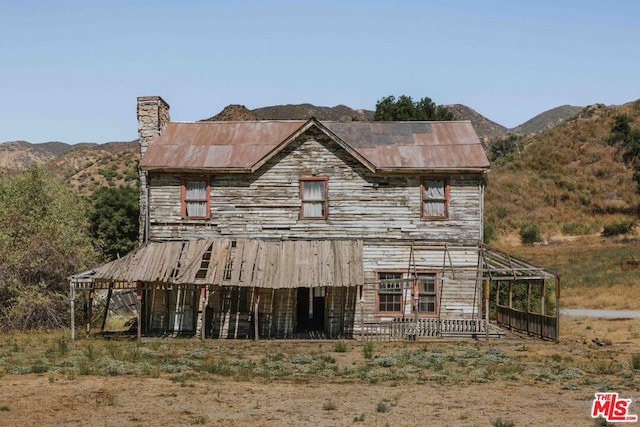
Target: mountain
point(485, 128)
point(547, 120)
point(568, 179)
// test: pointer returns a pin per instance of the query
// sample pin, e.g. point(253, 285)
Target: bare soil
point(52, 399)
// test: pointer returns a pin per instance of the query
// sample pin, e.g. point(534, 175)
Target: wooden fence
point(531, 323)
point(400, 329)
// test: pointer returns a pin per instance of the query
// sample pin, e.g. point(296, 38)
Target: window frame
point(408, 282)
point(324, 200)
point(400, 294)
point(206, 200)
point(446, 180)
point(434, 294)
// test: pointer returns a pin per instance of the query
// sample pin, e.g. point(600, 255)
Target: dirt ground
point(55, 400)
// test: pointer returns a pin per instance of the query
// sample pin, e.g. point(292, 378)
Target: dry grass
point(271, 383)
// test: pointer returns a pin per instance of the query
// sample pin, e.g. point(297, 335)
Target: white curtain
point(434, 198)
point(313, 194)
point(196, 198)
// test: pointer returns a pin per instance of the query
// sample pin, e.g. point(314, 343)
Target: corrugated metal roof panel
point(216, 145)
point(386, 145)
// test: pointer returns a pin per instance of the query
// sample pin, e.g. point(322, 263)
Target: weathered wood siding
point(266, 204)
point(384, 210)
point(458, 296)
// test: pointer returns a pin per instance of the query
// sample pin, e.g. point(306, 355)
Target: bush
point(530, 233)
point(367, 350)
point(635, 362)
point(489, 232)
point(617, 228)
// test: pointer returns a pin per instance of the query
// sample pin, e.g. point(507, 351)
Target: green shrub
point(498, 422)
point(489, 232)
point(340, 347)
point(617, 228)
point(635, 362)
point(382, 407)
point(530, 233)
point(367, 350)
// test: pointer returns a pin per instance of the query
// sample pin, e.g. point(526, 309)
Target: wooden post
point(528, 304)
point(542, 310)
point(510, 305)
point(557, 281)
point(89, 312)
point(72, 297)
point(361, 313)
point(486, 308)
point(106, 307)
point(256, 303)
point(139, 308)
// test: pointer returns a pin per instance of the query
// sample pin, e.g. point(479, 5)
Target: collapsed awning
point(233, 262)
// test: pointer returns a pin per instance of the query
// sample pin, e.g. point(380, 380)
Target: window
point(390, 292)
point(435, 198)
point(395, 289)
point(195, 198)
point(427, 293)
point(313, 193)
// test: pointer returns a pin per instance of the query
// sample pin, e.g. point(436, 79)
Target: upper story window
point(313, 194)
point(195, 198)
point(435, 198)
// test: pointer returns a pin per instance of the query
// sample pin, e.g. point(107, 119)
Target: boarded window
point(390, 292)
point(313, 193)
point(195, 198)
point(435, 198)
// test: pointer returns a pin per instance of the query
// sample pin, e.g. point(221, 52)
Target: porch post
point(89, 311)
point(139, 308)
point(106, 307)
point(72, 298)
point(510, 304)
point(528, 304)
point(256, 302)
point(486, 308)
point(557, 282)
point(542, 310)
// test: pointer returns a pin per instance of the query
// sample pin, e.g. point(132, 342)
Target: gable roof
point(379, 146)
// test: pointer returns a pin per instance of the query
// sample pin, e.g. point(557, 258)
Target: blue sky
point(71, 70)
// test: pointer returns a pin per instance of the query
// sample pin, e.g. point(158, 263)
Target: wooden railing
point(531, 323)
point(400, 329)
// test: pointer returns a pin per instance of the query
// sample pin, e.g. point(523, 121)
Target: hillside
point(547, 120)
point(485, 128)
point(567, 180)
point(339, 113)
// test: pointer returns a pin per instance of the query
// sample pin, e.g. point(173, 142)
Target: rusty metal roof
point(238, 262)
point(245, 146)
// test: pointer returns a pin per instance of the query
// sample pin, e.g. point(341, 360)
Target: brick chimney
point(153, 116)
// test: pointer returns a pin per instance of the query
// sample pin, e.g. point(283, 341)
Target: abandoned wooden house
point(302, 228)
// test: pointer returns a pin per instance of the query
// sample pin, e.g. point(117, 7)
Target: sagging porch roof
point(497, 265)
point(233, 262)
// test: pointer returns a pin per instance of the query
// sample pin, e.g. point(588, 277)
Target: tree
point(405, 109)
point(44, 238)
point(114, 220)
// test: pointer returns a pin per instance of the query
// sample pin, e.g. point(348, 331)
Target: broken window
point(435, 198)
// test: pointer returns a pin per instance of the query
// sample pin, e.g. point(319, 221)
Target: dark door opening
point(310, 310)
point(302, 311)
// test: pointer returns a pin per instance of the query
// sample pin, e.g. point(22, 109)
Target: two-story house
point(278, 228)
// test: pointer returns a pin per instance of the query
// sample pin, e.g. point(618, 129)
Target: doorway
point(310, 309)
